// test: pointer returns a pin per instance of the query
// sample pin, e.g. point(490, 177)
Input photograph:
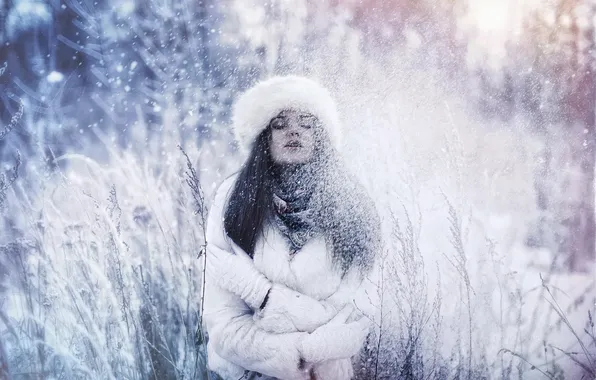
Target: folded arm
point(235, 337)
point(278, 308)
point(235, 288)
point(233, 270)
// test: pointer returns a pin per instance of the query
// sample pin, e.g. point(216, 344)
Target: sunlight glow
point(500, 19)
point(490, 16)
point(489, 25)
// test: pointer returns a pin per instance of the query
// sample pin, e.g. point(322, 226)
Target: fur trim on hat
point(255, 108)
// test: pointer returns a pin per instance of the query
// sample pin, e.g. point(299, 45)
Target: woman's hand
point(340, 338)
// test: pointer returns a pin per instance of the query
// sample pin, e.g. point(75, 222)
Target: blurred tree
point(428, 27)
point(557, 88)
point(160, 68)
point(43, 76)
point(580, 103)
point(535, 79)
point(553, 81)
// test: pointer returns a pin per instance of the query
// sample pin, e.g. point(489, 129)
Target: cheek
point(275, 137)
point(275, 142)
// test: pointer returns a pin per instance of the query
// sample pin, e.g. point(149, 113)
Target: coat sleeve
point(232, 332)
point(360, 290)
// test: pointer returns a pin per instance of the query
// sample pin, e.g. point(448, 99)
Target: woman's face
point(293, 137)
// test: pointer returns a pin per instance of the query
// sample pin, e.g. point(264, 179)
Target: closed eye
point(308, 121)
point(278, 122)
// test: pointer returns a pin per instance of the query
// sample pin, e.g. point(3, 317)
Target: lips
point(294, 144)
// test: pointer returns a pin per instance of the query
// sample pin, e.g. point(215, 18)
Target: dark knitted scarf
point(293, 190)
point(313, 199)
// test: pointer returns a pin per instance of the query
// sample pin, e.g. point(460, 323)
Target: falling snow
point(470, 123)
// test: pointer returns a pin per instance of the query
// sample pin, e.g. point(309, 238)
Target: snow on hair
point(255, 108)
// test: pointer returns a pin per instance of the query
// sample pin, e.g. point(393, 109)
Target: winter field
point(100, 255)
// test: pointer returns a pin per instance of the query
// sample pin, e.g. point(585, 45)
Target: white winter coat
point(237, 340)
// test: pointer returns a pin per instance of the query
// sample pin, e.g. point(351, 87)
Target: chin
point(294, 160)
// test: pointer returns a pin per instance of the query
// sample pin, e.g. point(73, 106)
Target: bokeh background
point(471, 122)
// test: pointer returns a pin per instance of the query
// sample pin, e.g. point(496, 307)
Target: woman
point(291, 244)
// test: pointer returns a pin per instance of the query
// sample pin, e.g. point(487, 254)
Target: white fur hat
point(255, 108)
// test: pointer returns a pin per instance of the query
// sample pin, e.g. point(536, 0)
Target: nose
point(294, 130)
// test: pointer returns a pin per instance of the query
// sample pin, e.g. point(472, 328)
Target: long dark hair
point(347, 215)
point(249, 203)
